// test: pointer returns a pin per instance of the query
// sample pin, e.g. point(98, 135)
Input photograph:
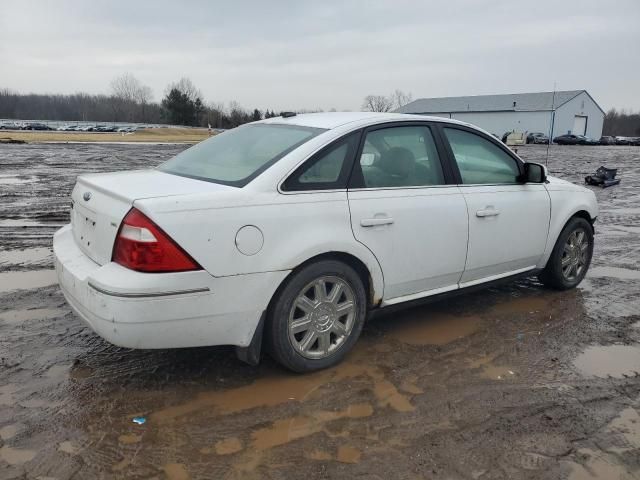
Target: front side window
point(481, 161)
point(239, 155)
point(400, 157)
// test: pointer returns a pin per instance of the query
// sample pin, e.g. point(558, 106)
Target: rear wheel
point(571, 256)
point(317, 316)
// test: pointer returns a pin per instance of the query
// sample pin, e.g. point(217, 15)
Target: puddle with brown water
point(228, 446)
point(418, 328)
point(31, 279)
point(347, 454)
point(282, 388)
point(611, 360)
point(16, 456)
point(129, 439)
point(290, 429)
point(176, 471)
point(521, 305)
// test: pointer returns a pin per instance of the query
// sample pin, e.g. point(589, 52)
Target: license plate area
point(84, 227)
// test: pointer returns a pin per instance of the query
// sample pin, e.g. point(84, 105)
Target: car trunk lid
point(101, 201)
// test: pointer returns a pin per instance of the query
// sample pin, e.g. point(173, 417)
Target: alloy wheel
point(322, 317)
point(575, 255)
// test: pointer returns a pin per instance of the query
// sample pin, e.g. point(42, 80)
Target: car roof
point(330, 120)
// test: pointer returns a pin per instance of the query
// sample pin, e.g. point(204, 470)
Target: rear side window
point(327, 170)
point(400, 157)
point(481, 161)
point(237, 156)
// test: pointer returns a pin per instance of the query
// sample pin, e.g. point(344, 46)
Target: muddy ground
point(512, 382)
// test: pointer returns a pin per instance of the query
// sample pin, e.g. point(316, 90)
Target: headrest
point(397, 161)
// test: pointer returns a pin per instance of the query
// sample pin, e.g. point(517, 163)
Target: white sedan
point(286, 233)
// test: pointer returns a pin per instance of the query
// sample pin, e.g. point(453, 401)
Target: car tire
point(307, 330)
point(571, 256)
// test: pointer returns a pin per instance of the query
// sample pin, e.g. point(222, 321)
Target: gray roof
point(539, 101)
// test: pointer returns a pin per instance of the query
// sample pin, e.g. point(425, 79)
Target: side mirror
point(534, 173)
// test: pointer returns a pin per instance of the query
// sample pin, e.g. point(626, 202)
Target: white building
point(573, 111)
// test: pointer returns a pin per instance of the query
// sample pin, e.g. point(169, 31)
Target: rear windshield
point(237, 156)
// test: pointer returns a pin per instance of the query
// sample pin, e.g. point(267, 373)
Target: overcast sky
point(325, 54)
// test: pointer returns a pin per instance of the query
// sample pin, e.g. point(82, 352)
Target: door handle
point(373, 222)
point(488, 212)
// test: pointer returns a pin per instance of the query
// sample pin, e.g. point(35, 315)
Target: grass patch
point(168, 135)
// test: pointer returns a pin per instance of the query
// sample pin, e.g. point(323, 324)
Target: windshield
point(237, 156)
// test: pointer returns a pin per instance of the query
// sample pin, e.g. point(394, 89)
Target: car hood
point(555, 183)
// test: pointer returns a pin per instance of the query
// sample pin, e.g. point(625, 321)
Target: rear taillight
point(141, 245)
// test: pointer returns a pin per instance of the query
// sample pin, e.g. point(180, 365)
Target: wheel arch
point(558, 224)
point(373, 286)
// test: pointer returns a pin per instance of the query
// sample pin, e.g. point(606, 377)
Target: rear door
point(406, 210)
point(508, 220)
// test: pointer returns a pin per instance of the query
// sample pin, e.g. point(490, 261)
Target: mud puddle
point(30, 279)
point(26, 256)
point(613, 360)
point(418, 328)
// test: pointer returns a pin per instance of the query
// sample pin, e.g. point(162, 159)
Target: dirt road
point(513, 382)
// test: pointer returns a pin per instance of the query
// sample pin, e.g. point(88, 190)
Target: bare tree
point(186, 86)
point(125, 87)
point(400, 99)
point(144, 96)
point(377, 103)
point(130, 96)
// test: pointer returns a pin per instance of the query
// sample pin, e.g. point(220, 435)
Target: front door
point(508, 220)
point(405, 211)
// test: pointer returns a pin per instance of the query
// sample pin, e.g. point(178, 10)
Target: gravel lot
point(511, 382)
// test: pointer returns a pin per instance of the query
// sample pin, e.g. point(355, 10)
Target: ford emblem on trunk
point(86, 196)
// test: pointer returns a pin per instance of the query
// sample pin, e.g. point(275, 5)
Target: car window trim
point(343, 178)
point(356, 179)
point(454, 164)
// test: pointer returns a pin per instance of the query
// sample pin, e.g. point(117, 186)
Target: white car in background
point(288, 232)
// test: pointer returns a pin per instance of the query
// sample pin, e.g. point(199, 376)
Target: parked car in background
point(636, 141)
point(623, 140)
point(36, 126)
point(537, 137)
point(607, 140)
point(567, 139)
point(289, 231)
point(584, 140)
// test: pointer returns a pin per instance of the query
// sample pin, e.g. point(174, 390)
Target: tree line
point(626, 124)
point(129, 100)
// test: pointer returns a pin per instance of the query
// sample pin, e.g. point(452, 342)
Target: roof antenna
point(553, 117)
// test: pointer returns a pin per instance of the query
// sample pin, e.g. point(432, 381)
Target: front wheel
point(571, 256)
point(317, 316)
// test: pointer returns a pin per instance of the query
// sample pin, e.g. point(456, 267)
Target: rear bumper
point(166, 310)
